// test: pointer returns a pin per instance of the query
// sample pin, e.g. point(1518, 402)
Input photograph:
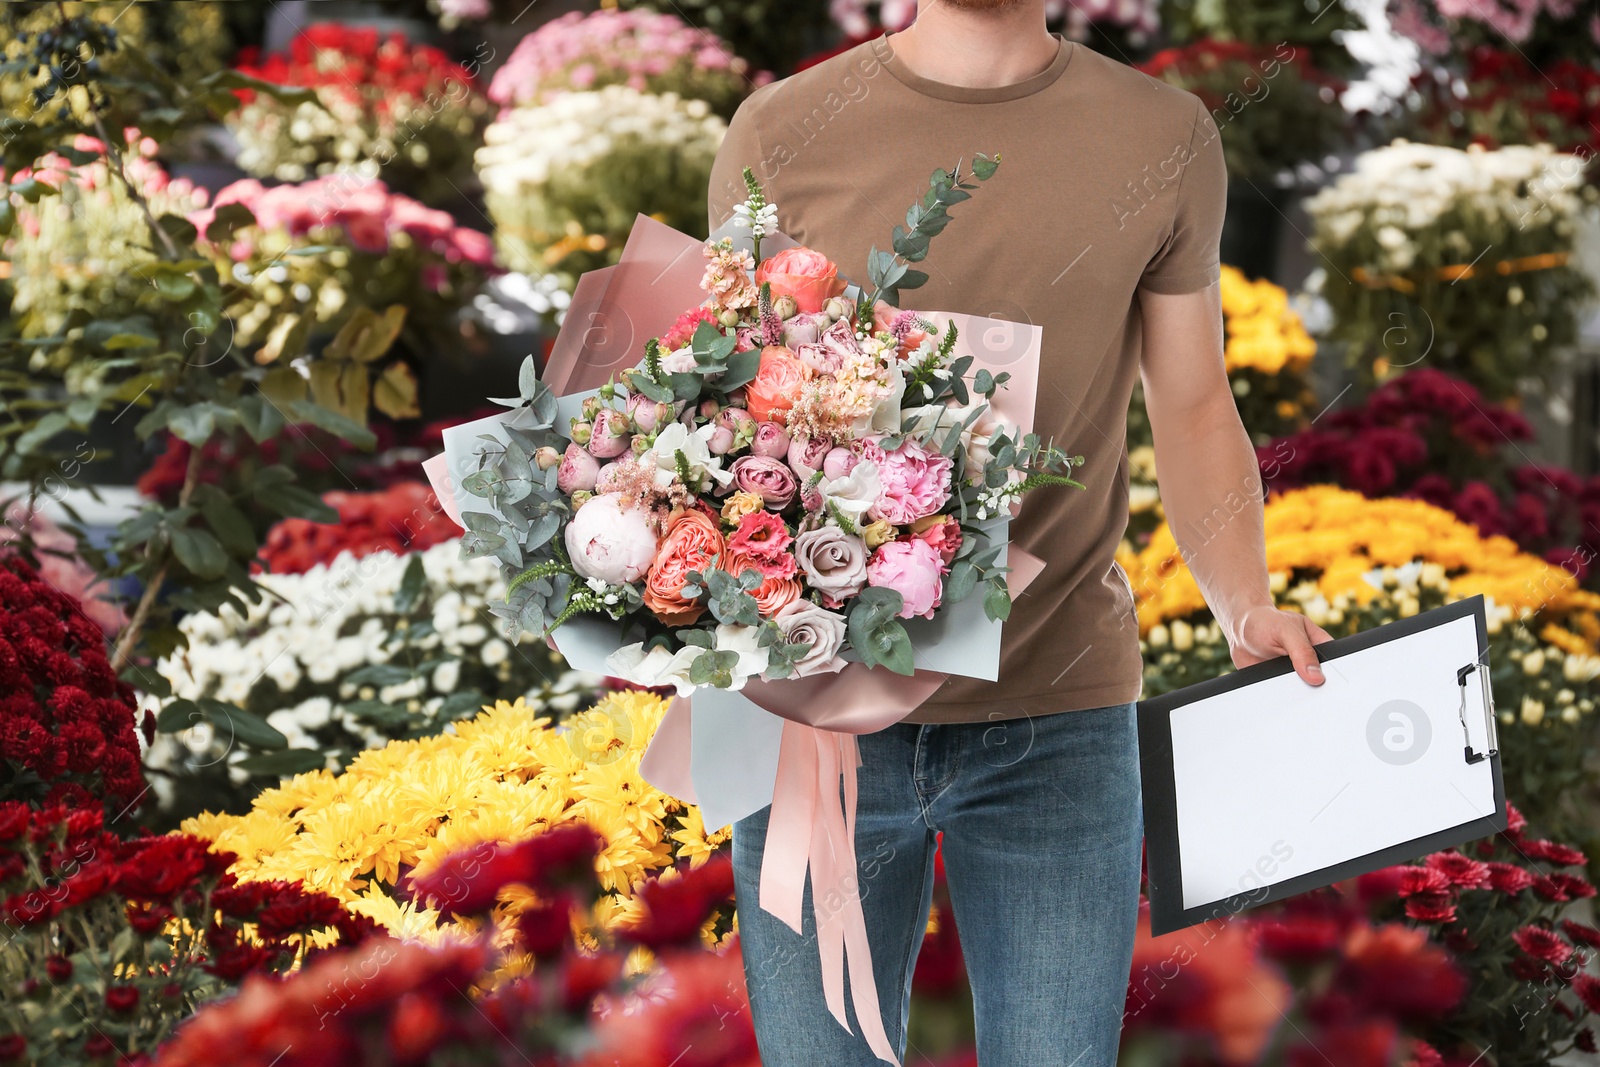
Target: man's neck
point(976, 49)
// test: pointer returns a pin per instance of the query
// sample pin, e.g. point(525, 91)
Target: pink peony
point(579, 470)
point(647, 414)
point(768, 478)
point(763, 541)
point(609, 434)
point(610, 542)
point(915, 481)
point(911, 568)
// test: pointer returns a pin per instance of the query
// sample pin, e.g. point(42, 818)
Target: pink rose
point(808, 276)
point(610, 542)
point(915, 481)
point(833, 562)
point(824, 630)
point(911, 568)
point(609, 433)
point(806, 455)
point(768, 478)
point(739, 423)
point(647, 414)
point(804, 329)
point(771, 440)
point(943, 532)
point(579, 470)
point(835, 345)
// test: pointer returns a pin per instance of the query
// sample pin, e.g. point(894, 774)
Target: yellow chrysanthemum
point(1262, 332)
point(504, 776)
point(1335, 536)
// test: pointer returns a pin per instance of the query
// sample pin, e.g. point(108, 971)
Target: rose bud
point(839, 462)
point(646, 413)
point(771, 439)
point(709, 408)
point(736, 397)
point(579, 470)
point(605, 481)
point(738, 421)
point(580, 432)
point(805, 329)
point(806, 455)
point(640, 444)
point(546, 457)
point(811, 498)
point(721, 441)
point(580, 498)
point(590, 407)
point(746, 337)
point(610, 433)
point(838, 308)
point(785, 307)
point(728, 317)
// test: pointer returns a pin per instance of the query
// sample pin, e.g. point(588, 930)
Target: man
point(1101, 226)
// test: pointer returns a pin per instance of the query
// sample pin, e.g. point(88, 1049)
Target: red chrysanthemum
point(1555, 852)
point(1587, 988)
point(1542, 944)
point(1580, 933)
point(1419, 880)
point(1509, 878)
point(1432, 907)
point(1463, 872)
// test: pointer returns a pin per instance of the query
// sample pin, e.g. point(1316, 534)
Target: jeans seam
point(902, 990)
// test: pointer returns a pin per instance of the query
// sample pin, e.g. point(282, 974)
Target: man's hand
point(1266, 633)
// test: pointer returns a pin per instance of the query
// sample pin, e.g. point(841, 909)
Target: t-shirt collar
point(966, 94)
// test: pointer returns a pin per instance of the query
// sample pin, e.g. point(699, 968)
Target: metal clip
point(1482, 667)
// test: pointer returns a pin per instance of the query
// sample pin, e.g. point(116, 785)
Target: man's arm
point(1210, 484)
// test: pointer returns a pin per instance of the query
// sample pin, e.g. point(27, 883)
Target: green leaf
point(283, 764)
point(119, 341)
point(47, 427)
point(179, 715)
point(234, 79)
point(180, 229)
point(292, 502)
point(259, 416)
point(286, 340)
point(226, 220)
point(960, 582)
point(199, 551)
point(997, 601)
point(175, 287)
point(411, 585)
point(984, 167)
point(652, 390)
point(230, 526)
point(243, 726)
point(334, 423)
point(367, 334)
point(194, 424)
point(742, 369)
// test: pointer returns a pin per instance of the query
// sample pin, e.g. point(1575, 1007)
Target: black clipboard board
point(1162, 852)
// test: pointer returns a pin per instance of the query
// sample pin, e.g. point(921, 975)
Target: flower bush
point(397, 813)
point(66, 722)
point(345, 256)
point(644, 50)
point(385, 106)
point(1499, 98)
point(534, 991)
point(1140, 19)
point(1462, 256)
point(1544, 30)
point(406, 517)
point(1274, 109)
point(74, 260)
point(564, 181)
point(58, 565)
point(1429, 436)
point(112, 942)
point(343, 657)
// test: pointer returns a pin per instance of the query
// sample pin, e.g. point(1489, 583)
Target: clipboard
point(1258, 786)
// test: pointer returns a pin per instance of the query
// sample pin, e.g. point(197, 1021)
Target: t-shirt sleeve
point(1189, 259)
point(741, 148)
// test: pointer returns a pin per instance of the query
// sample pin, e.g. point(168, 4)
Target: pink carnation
point(915, 481)
point(911, 568)
point(683, 329)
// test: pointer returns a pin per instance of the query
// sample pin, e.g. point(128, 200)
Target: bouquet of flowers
point(564, 180)
point(644, 50)
point(384, 107)
point(788, 474)
point(1465, 258)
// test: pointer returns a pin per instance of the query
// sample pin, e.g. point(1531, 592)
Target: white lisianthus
point(658, 667)
point(695, 448)
point(886, 416)
point(743, 640)
point(853, 494)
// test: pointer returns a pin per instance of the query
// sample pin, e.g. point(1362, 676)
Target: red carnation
point(1462, 872)
point(1542, 944)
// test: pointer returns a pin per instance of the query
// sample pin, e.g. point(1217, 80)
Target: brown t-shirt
point(1110, 181)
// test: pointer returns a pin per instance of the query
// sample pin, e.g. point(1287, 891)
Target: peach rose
point(773, 594)
point(770, 395)
point(691, 543)
point(808, 276)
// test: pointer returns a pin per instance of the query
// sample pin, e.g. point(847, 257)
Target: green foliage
point(889, 272)
point(876, 633)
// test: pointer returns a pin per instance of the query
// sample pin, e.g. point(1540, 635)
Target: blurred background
point(253, 256)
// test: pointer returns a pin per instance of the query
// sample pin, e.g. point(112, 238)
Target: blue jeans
point(1042, 830)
